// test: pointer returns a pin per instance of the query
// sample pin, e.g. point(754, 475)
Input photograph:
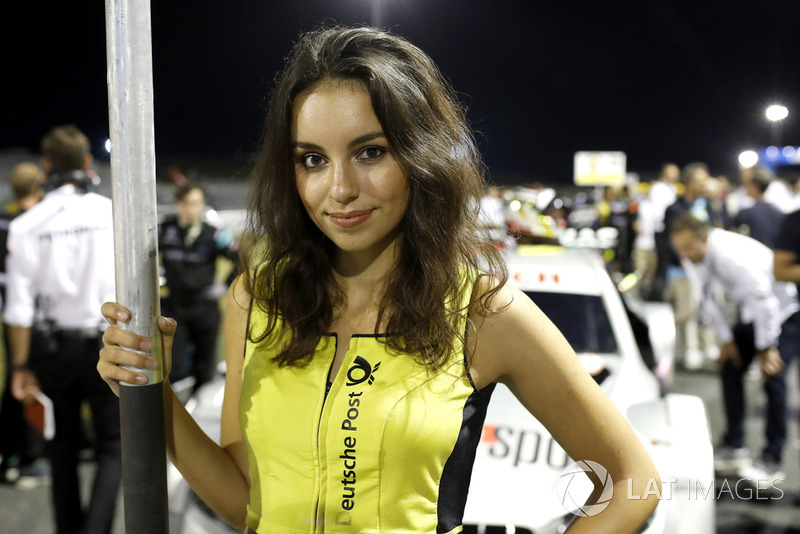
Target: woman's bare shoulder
point(239, 294)
point(508, 332)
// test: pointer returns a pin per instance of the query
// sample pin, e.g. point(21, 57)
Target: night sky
point(661, 80)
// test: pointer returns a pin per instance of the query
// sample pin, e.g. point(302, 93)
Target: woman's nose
point(344, 185)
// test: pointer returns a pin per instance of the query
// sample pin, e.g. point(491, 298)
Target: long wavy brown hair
point(427, 129)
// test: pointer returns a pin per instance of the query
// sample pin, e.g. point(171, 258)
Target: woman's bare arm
point(218, 474)
point(521, 348)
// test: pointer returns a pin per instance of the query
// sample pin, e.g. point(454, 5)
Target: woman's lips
point(350, 219)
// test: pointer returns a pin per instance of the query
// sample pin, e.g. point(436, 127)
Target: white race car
point(522, 480)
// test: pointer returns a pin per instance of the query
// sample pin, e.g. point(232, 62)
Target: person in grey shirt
point(762, 220)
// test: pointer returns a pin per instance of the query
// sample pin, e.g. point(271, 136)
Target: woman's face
point(347, 177)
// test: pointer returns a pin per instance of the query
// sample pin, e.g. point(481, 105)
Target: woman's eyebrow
point(305, 145)
point(366, 137)
point(357, 141)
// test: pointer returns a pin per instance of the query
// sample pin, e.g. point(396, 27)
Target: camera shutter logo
point(570, 496)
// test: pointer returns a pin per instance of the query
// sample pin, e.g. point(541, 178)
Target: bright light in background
point(748, 158)
point(772, 152)
point(515, 205)
point(377, 14)
point(789, 152)
point(777, 113)
point(108, 146)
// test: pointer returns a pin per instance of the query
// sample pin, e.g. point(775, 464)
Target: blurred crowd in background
point(57, 268)
point(630, 225)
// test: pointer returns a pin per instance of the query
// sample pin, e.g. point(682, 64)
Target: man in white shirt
point(60, 269)
point(766, 328)
point(662, 194)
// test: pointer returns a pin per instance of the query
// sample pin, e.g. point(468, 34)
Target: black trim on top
point(465, 353)
point(465, 349)
point(374, 336)
point(328, 378)
point(247, 328)
point(457, 472)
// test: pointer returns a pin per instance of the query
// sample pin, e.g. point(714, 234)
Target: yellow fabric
point(367, 459)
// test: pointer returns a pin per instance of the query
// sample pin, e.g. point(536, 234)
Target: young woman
point(364, 347)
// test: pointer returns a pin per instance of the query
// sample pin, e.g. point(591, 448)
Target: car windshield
point(581, 318)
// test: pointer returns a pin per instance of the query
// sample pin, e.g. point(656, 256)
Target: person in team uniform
point(189, 249)
point(60, 270)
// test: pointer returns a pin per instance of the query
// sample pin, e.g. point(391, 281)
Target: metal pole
point(130, 106)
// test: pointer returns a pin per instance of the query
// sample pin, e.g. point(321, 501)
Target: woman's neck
point(362, 275)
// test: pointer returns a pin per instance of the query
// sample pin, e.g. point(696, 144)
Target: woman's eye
point(312, 160)
point(372, 152)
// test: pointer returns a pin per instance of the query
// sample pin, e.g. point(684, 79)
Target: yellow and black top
point(389, 449)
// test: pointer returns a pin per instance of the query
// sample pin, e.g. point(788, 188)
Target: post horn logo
point(572, 498)
point(360, 371)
